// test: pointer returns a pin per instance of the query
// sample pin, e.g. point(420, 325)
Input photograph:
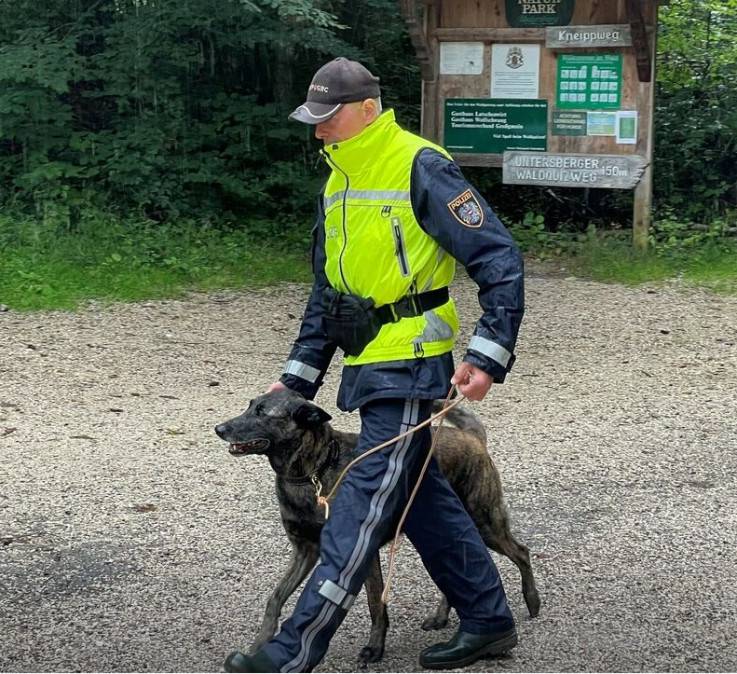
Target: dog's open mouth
point(257, 445)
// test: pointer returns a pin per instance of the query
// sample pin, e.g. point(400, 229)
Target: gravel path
point(132, 541)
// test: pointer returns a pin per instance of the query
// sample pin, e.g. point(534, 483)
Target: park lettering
point(539, 6)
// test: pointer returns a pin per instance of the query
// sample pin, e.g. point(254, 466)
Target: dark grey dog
point(300, 444)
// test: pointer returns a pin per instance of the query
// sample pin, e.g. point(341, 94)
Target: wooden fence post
point(643, 202)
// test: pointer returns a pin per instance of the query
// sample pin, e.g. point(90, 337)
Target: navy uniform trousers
point(365, 514)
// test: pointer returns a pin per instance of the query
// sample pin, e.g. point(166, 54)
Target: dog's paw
point(256, 645)
point(533, 604)
point(433, 622)
point(370, 654)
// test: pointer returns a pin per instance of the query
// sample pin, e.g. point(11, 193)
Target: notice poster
point(515, 71)
point(626, 127)
point(461, 58)
point(602, 123)
point(569, 123)
point(589, 81)
point(484, 126)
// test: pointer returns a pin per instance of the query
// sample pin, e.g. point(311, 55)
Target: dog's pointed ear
point(310, 416)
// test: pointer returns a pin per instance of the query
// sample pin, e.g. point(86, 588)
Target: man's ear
point(310, 416)
point(370, 111)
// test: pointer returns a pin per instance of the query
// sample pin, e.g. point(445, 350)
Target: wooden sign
point(586, 37)
point(573, 170)
point(538, 13)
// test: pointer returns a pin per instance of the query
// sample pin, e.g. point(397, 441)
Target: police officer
point(394, 216)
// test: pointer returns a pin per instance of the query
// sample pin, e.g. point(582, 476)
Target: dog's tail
point(463, 419)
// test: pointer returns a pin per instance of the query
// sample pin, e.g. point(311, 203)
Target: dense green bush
point(172, 108)
point(696, 113)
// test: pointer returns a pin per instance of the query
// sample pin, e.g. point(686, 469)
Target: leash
point(324, 501)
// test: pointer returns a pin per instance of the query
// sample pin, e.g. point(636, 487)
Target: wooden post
point(642, 216)
point(643, 203)
point(429, 115)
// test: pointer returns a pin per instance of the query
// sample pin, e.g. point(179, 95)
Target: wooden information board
point(562, 79)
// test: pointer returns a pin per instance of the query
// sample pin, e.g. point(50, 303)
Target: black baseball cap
point(337, 82)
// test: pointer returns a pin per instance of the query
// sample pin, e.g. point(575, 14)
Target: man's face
point(349, 121)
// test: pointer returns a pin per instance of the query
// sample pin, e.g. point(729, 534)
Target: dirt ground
point(130, 540)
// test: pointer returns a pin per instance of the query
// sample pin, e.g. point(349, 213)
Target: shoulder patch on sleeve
point(467, 210)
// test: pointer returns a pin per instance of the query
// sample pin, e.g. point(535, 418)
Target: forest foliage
point(169, 109)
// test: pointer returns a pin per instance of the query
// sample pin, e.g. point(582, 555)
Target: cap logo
point(319, 87)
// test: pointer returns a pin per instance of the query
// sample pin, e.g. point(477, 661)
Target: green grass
point(114, 261)
point(703, 258)
point(48, 267)
point(711, 264)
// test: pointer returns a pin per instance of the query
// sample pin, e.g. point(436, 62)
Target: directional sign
point(573, 170)
point(586, 37)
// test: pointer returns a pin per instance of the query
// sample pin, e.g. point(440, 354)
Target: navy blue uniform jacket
point(491, 259)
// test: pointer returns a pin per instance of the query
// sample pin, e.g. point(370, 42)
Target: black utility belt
point(352, 321)
point(413, 305)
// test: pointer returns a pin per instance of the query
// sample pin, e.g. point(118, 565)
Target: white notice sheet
point(515, 71)
point(461, 58)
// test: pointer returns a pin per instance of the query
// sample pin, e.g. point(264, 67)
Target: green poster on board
point(537, 13)
point(589, 81)
point(492, 126)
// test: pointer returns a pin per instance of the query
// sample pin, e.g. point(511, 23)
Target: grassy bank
point(704, 258)
point(41, 268)
point(713, 267)
point(44, 267)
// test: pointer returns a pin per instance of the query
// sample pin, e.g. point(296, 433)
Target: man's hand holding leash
point(472, 382)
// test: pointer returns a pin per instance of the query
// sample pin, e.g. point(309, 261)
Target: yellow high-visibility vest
point(374, 245)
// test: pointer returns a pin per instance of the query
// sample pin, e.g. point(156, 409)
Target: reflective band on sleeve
point(302, 370)
point(336, 594)
point(490, 349)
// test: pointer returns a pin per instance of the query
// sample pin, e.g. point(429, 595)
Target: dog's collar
point(331, 460)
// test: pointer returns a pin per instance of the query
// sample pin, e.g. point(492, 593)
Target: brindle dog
point(300, 444)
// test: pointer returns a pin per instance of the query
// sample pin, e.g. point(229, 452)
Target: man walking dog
point(394, 216)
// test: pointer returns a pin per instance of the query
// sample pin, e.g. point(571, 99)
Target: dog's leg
point(439, 619)
point(504, 543)
point(374, 585)
point(304, 557)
